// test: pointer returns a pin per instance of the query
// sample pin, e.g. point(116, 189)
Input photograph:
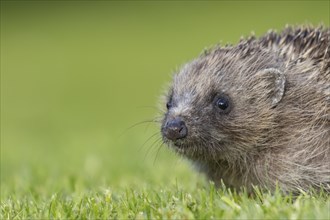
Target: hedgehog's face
point(192, 127)
point(212, 114)
point(196, 113)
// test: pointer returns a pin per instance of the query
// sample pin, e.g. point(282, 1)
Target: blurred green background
point(76, 75)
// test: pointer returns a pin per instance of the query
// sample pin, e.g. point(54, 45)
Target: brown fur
point(278, 128)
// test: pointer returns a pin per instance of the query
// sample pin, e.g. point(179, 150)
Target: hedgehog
point(256, 113)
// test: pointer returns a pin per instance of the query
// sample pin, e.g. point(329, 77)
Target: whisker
point(148, 139)
point(149, 121)
point(159, 148)
point(155, 120)
point(152, 107)
point(150, 147)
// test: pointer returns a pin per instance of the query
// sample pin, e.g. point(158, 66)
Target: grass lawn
point(159, 202)
point(76, 75)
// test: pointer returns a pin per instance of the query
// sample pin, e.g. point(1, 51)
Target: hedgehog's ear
point(273, 81)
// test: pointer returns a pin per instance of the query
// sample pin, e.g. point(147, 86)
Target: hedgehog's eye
point(222, 103)
point(168, 105)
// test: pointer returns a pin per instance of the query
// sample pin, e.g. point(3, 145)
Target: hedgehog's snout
point(175, 129)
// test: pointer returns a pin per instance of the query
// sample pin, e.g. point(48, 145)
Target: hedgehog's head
point(222, 104)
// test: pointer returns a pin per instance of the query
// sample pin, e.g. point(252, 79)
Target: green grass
point(76, 75)
point(170, 202)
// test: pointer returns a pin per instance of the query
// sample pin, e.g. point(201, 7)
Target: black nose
point(175, 129)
